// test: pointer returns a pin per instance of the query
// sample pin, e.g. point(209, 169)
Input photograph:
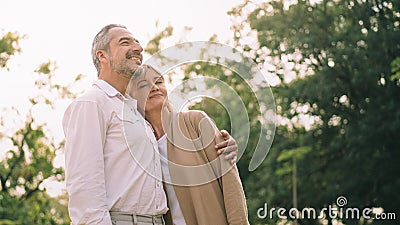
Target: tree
point(339, 54)
point(28, 162)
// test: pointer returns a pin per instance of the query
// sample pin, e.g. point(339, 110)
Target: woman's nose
point(155, 87)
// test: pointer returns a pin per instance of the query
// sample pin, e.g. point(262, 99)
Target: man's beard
point(123, 67)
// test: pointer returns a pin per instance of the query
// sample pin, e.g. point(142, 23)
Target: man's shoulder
point(93, 94)
point(93, 97)
point(99, 91)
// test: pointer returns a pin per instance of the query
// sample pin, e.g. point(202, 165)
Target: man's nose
point(137, 47)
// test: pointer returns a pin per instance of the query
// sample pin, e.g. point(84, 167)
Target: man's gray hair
point(102, 42)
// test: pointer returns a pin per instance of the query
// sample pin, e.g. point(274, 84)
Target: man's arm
point(227, 146)
point(85, 131)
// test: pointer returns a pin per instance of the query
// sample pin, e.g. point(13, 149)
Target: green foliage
point(154, 45)
point(9, 46)
point(28, 163)
point(224, 117)
point(396, 71)
point(343, 54)
point(23, 171)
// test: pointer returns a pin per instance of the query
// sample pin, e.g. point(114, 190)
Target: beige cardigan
point(208, 193)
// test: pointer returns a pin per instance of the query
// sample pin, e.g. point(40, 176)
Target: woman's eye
point(160, 81)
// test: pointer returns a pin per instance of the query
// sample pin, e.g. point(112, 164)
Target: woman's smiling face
point(149, 90)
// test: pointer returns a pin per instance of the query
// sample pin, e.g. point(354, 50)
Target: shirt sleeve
point(85, 127)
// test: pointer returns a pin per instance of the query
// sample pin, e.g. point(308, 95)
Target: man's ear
point(102, 55)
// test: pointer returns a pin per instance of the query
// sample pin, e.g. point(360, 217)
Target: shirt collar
point(111, 91)
point(131, 101)
point(106, 87)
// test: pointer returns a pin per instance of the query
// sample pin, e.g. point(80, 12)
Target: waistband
point(146, 219)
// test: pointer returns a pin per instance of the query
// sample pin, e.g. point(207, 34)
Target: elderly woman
point(202, 187)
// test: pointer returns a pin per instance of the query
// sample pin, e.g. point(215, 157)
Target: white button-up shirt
point(107, 170)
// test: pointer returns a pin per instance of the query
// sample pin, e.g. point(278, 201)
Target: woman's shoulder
point(199, 121)
point(193, 114)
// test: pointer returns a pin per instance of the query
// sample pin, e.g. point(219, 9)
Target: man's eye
point(125, 43)
point(143, 86)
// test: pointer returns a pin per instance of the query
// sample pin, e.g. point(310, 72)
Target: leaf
point(296, 152)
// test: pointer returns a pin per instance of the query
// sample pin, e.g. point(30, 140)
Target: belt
point(135, 219)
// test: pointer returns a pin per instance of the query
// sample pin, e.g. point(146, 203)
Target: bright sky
point(62, 31)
